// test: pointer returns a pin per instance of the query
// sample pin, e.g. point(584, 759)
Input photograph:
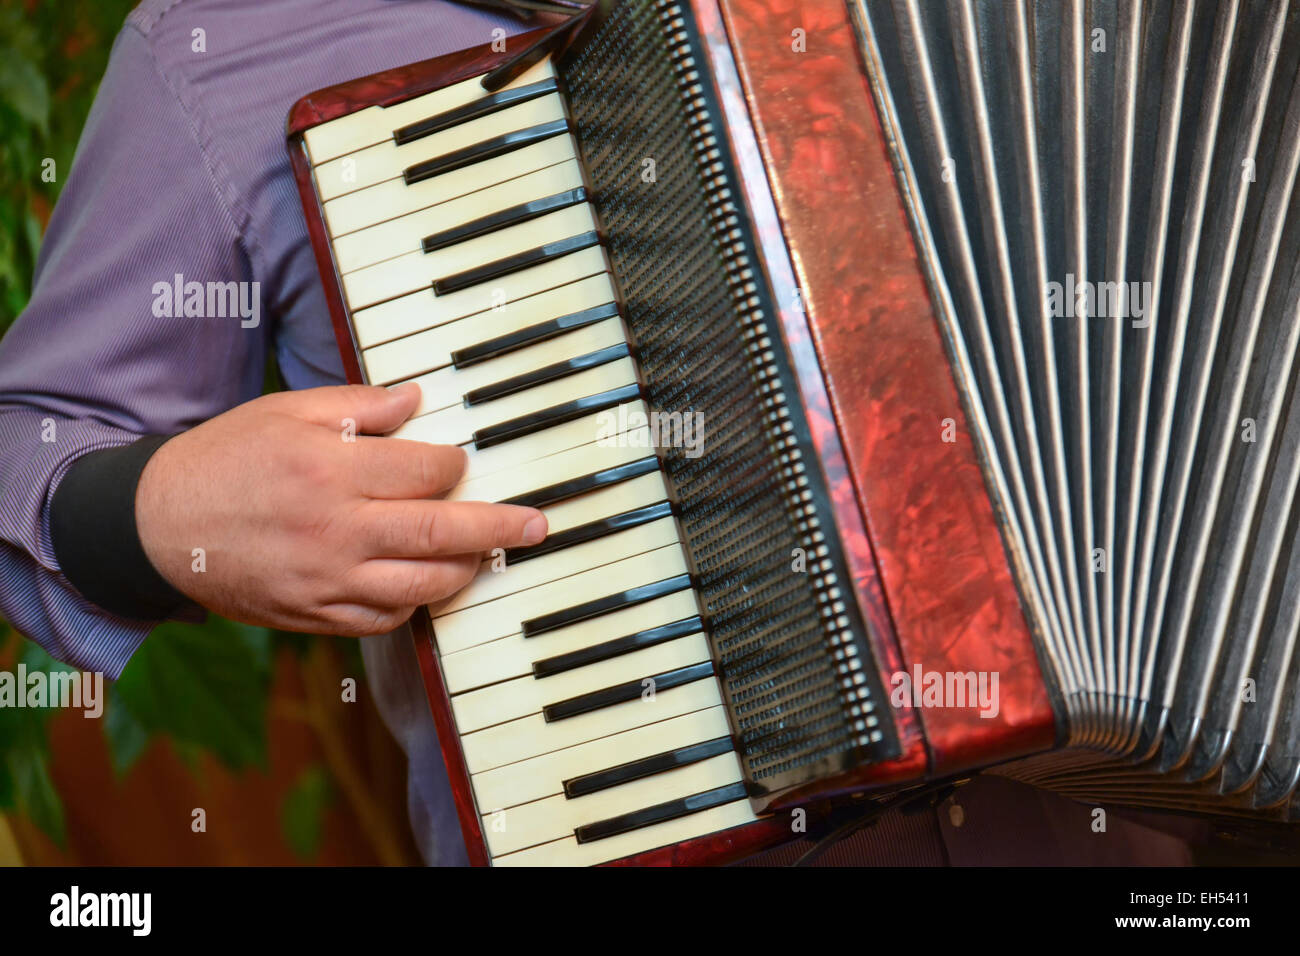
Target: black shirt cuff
point(93, 531)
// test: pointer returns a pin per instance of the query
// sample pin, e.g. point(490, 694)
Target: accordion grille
point(1104, 193)
point(684, 267)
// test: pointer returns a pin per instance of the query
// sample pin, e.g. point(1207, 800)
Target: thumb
point(374, 409)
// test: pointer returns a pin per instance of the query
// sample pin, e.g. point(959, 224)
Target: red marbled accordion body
point(946, 580)
point(912, 511)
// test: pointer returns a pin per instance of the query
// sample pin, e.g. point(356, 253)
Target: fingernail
point(405, 385)
point(535, 530)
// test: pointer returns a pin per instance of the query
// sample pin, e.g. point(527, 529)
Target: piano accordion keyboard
point(580, 677)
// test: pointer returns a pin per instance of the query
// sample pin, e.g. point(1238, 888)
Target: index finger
point(418, 529)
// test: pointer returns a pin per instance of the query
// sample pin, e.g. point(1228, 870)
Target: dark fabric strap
point(93, 530)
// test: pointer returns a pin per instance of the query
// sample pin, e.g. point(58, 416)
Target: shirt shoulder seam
point(239, 217)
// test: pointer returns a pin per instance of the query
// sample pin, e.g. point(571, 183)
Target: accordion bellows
point(1104, 195)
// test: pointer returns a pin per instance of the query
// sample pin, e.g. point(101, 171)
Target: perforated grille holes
point(794, 665)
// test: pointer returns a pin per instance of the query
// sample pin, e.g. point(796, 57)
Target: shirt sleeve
point(106, 351)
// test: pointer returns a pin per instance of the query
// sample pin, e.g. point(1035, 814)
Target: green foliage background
point(51, 58)
point(203, 687)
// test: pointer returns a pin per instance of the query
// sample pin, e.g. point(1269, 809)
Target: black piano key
point(506, 217)
point(617, 647)
point(532, 335)
point(539, 49)
point(555, 415)
point(621, 693)
point(590, 531)
point(551, 42)
point(647, 766)
point(472, 111)
point(661, 812)
point(605, 605)
point(516, 263)
point(563, 490)
point(549, 373)
point(488, 149)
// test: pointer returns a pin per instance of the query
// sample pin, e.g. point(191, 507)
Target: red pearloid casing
point(931, 570)
point(913, 514)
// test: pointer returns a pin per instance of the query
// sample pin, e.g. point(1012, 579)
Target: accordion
point(908, 388)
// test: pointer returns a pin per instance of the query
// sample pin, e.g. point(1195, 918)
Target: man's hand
point(304, 530)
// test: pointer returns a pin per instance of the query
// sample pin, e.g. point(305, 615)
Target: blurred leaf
point(302, 813)
point(126, 736)
point(34, 793)
point(25, 782)
point(33, 227)
point(205, 686)
point(34, 656)
point(23, 88)
point(52, 56)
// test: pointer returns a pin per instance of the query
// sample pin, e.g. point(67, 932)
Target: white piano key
point(514, 656)
point(490, 585)
point(448, 386)
point(569, 852)
point(385, 240)
point(456, 425)
point(606, 502)
point(387, 160)
point(375, 124)
point(502, 617)
point(530, 736)
point(392, 198)
point(487, 481)
point(424, 347)
point(556, 817)
point(531, 450)
point(544, 775)
point(416, 270)
point(528, 695)
point(388, 321)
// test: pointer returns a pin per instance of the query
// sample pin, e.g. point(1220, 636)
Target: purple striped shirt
point(182, 170)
